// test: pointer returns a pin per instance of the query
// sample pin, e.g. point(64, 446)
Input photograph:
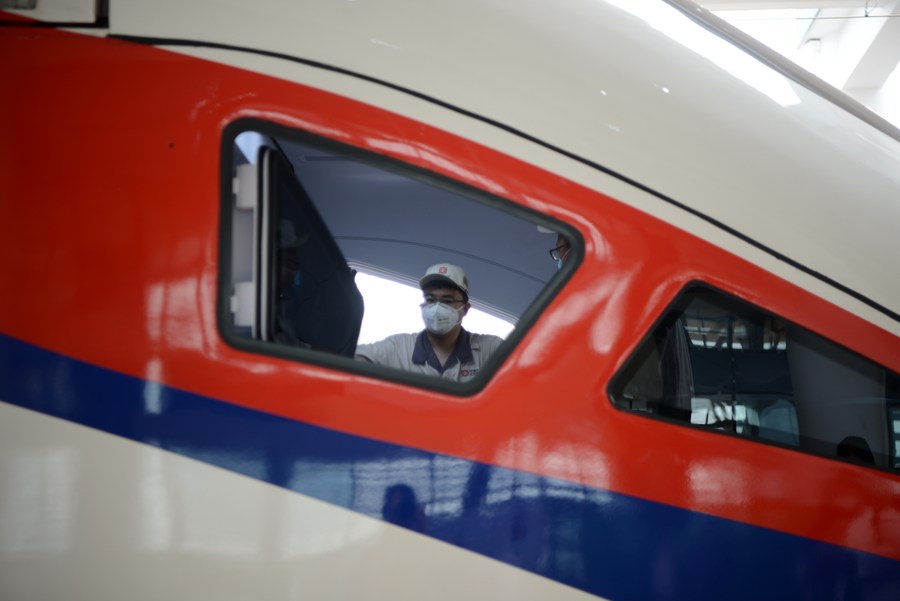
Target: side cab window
point(303, 216)
point(718, 363)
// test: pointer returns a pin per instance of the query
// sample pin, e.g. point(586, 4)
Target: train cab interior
point(308, 215)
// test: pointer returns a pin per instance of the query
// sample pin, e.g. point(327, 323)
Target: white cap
point(445, 273)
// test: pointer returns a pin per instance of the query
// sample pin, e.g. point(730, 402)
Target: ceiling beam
point(879, 55)
point(770, 4)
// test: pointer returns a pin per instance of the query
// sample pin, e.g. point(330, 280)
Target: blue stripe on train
point(605, 543)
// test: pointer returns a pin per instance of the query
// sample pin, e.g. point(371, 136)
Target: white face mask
point(440, 318)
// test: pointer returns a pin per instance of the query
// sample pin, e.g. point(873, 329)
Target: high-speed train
point(701, 402)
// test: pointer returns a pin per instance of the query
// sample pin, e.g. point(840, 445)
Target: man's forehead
point(439, 289)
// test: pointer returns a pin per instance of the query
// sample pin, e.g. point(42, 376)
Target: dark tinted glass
point(718, 363)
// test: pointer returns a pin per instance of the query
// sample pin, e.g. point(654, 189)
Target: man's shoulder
point(484, 340)
point(483, 337)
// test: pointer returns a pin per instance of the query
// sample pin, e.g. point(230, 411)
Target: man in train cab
point(444, 348)
point(561, 252)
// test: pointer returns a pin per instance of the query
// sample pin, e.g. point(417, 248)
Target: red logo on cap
point(442, 270)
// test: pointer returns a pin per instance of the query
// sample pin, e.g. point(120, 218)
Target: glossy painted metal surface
point(566, 532)
point(58, 11)
point(627, 80)
point(94, 516)
point(112, 261)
